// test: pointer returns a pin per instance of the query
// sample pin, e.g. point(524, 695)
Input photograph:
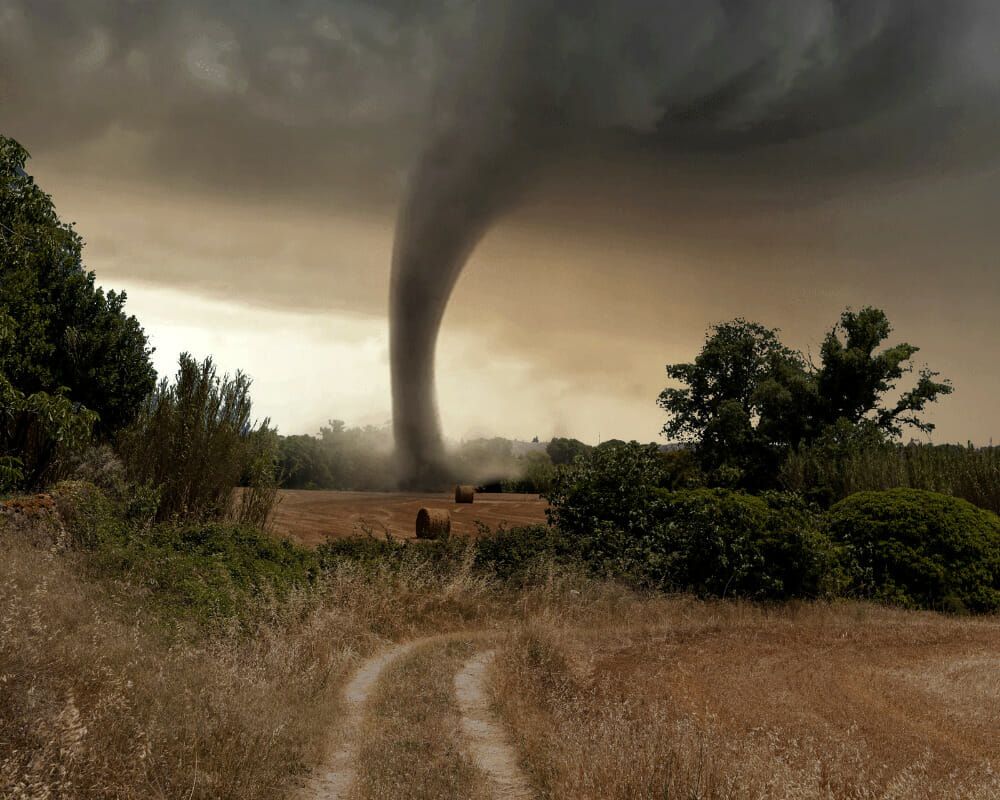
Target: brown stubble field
point(724, 700)
point(310, 517)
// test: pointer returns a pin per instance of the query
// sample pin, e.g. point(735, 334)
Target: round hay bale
point(433, 523)
point(464, 494)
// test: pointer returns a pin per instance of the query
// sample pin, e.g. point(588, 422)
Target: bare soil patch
point(312, 517)
point(485, 734)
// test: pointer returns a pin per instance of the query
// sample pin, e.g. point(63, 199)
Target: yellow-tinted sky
point(238, 169)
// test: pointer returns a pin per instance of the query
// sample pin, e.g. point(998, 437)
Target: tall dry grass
point(711, 701)
point(98, 699)
point(608, 693)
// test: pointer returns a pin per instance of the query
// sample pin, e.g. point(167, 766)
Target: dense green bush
point(39, 436)
point(616, 519)
point(920, 549)
point(614, 487)
point(724, 543)
point(512, 554)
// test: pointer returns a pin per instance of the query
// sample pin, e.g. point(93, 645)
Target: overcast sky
point(237, 167)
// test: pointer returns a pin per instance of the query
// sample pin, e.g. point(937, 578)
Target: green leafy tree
point(194, 441)
point(39, 433)
point(65, 334)
point(564, 451)
point(303, 463)
point(736, 394)
point(747, 400)
point(854, 378)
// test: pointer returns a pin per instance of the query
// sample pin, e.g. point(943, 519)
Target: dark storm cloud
point(305, 92)
point(546, 75)
point(245, 93)
point(340, 100)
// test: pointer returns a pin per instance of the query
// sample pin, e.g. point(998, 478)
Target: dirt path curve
point(486, 737)
point(333, 781)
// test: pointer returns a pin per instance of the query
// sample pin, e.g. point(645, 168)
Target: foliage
point(358, 459)
point(303, 463)
point(536, 478)
point(722, 543)
point(513, 554)
point(681, 470)
point(920, 549)
point(846, 461)
point(737, 389)
point(362, 459)
point(616, 518)
point(854, 378)
point(747, 401)
point(564, 451)
point(64, 334)
point(39, 435)
point(199, 572)
point(613, 487)
point(194, 441)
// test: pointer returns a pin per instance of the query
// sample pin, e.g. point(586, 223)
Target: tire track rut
point(335, 779)
point(482, 732)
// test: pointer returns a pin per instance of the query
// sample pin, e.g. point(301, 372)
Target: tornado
point(541, 77)
point(450, 205)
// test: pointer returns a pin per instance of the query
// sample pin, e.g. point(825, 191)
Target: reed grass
point(971, 473)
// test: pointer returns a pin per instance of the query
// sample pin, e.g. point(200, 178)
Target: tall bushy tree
point(194, 441)
point(64, 330)
point(743, 389)
point(747, 400)
point(562, 450)
point(854, 378)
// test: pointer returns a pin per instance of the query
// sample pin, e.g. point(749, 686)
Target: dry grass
point(699, 701)
point(609, 694)
point(96, 701)
point(95, 704)
point(412, 742)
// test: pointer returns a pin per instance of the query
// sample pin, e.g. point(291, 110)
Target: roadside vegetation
point(792, 604)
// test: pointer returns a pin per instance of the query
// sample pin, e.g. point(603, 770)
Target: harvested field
point(312, 517)
point(724, 701)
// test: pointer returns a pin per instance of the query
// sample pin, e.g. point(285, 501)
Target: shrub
point(725, 543)
point(512, 554)
point(194, 441)
point(610, 486)
point(920, 549)
point(199, 572)
point(39, 436)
